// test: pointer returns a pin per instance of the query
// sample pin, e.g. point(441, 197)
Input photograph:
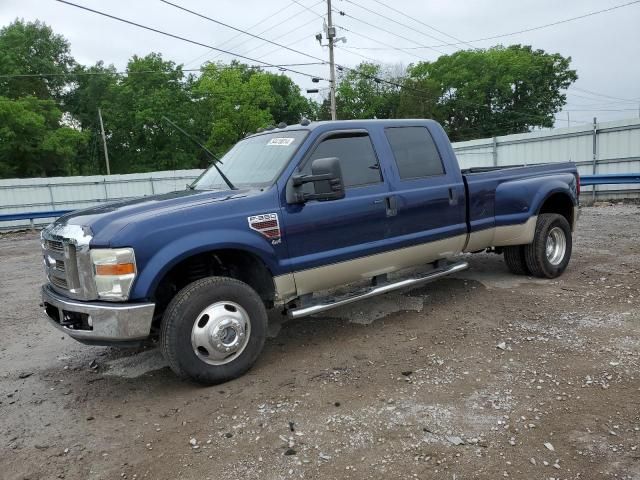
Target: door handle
point(392, 206)
point(453, 198)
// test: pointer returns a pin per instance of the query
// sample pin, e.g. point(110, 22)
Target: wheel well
point(238, 264)
point(559, 203)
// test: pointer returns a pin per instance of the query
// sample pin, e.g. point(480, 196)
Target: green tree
point(138, 138)
point(289, 104)
point(33, 143)
point(33, 48)
point(498, 91)
point(362, 93)
point(91, 88)
point(236, 100)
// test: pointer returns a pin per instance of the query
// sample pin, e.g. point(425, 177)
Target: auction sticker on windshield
point(281, 141)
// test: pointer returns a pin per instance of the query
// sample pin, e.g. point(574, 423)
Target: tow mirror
point(326, 177)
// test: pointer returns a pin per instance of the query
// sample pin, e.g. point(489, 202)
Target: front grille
point(67, 261)
point(59, 282)
point(54, 246)
point(58, 260)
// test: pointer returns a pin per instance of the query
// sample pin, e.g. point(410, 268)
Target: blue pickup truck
point(284, 217)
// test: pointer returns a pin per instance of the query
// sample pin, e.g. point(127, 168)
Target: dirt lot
point(484, 375)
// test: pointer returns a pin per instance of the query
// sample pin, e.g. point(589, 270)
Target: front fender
point(186, 246)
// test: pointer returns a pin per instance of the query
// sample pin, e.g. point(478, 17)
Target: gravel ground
point(483, 375)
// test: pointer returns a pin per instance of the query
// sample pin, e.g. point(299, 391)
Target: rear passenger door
point(428, 192)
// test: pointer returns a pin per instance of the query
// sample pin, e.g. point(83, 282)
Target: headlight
point(114, 270)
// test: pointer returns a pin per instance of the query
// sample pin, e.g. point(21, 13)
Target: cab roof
point(348, 124)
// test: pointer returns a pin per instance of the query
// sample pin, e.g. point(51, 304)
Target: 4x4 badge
point(268, 225)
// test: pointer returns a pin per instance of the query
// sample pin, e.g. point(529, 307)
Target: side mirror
point(326, 176)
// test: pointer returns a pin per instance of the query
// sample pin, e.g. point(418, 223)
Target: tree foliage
point(32, 141)
point(28, 48)
point(479, 93)
point(49, 103)
point(361, 93)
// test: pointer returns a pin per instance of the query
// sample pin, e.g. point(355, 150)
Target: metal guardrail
point(585, 180)
point(610, 179)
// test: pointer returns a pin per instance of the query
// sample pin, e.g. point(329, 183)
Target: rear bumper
point(98, 323)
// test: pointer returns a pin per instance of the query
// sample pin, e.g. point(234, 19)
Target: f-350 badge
point(268, 225)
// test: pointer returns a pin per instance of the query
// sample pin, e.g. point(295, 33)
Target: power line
point(229, 40)
point(192, 12)
point(376, 79)
point(297, 2)
point(268, 29)
point(602, 100)
point(346, 49)
point(257, 47)
point(394, 21)
point(294, 42)
point(526, 30)
point(590, 92)
point(377, 27)
point(380, 42)
point(184, 39)
point(601, 110)
point(423, 23)
point(128, 72)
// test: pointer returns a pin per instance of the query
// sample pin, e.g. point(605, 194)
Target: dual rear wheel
point(549, 253)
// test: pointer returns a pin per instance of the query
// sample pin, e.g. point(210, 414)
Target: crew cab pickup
point(286, 215)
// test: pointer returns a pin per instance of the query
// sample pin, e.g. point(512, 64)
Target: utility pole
point(568, 119)
point(104, 142)
point(331, 35)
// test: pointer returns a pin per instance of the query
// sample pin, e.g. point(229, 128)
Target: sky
point(604, 48)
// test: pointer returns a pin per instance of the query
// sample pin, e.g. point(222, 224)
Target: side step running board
point(378, 290)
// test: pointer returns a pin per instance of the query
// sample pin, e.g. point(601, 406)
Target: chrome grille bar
point(67, 263)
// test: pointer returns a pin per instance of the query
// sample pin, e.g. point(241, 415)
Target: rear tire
point(213, 330)
point(549, 253)
point(514, 258)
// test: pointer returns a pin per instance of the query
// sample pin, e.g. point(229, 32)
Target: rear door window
point(415, 152)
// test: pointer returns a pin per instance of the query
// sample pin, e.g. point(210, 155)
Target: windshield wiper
point(215, 159)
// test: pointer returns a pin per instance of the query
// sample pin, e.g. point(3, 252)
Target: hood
point(106, 220)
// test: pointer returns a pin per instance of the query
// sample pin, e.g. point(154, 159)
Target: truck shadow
point(321, 335)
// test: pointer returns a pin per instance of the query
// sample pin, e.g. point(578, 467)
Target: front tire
point(549, 253)
point(213, 330)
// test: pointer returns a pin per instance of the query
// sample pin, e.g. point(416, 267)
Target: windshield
point(253, 162)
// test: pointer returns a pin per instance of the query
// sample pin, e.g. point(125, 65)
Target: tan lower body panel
point(312, 280)
point(285, 288)
point(520, 234)
point(329, 276)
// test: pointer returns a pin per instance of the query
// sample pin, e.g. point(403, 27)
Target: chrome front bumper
point(98, 322)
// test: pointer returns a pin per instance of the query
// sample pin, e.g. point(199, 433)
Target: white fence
point(601, 148)
point(612, 147)
point(71, 193)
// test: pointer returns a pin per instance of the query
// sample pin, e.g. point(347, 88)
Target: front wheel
point(213, 330)
point(549, 253)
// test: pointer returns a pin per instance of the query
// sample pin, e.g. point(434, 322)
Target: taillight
point(578, 183)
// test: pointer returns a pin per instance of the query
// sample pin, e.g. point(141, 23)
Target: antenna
point(215, 159)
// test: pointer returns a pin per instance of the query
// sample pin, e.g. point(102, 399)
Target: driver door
point(330, 241)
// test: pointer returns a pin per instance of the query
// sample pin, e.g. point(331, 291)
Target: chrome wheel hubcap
point(556, 246)
point(220, 333)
